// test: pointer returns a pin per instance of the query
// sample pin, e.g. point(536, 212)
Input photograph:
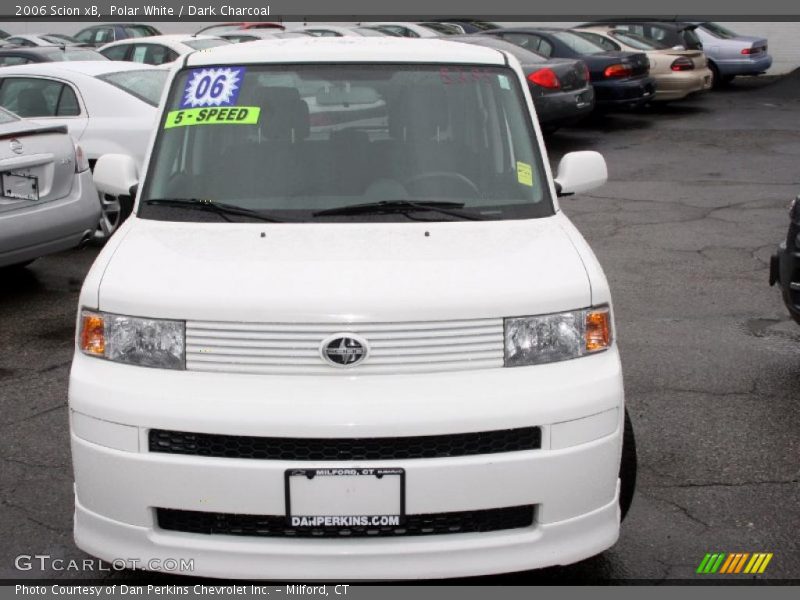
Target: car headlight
point(144, 342)
point(561, 336)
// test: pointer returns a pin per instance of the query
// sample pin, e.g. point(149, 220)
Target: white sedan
point(109, 107)
point(159, 49)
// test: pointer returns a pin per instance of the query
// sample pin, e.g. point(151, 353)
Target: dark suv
point(669, 33)
point(784, 267)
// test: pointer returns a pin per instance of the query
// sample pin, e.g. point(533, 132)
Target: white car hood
point(342, 272)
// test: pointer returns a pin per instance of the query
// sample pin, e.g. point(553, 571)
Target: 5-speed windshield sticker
point(234, 115)
point(524, 173)
point(212, 87)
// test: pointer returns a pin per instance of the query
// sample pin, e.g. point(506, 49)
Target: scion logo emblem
point(16, 146)
point(344, 349)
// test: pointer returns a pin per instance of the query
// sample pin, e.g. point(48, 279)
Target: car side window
point(153, 54)
point(529, 42)
point(658, 33)
point(139, 53)
point(86, 36)
point(67, 103)
point(545, 47)
point(600, 40)
point(38, 97)
point(116, 52)
point(103, 35)
point(10, 61)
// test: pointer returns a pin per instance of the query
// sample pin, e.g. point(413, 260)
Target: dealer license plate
point(18, 185)
point(343, 498)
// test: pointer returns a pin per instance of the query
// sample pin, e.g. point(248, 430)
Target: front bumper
point(47, 227)
point(571, 479)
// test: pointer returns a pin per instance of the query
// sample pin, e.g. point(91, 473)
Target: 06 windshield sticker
point(524, 174)
point(209, 98)
point(212, 87)
point(233, 115)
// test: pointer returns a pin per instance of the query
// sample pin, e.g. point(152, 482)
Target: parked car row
point(107, 96)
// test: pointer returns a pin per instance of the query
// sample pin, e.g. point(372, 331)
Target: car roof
point(85, 67)
point(349, 49)
point(522, 30)
point(674, 25)
point(167, 38)
point(39, 50)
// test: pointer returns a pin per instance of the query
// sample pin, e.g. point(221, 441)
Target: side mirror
point(580, 172)
point(115, 174)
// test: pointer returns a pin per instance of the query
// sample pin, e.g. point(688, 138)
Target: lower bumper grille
point(339, 449)
point(471, 521)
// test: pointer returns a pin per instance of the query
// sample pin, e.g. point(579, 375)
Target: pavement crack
point(685, 511)
point(34, 465)
point(732, 484)
point(33, 416)
point(32, 519)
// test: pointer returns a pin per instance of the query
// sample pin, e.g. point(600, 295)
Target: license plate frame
point(393, 481)
point(12, 181)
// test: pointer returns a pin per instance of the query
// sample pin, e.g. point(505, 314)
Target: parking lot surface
point(696, 203)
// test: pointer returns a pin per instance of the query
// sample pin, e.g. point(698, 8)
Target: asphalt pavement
point(696, 203)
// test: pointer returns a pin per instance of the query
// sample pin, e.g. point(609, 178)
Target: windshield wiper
point(220, 208)
point(402, 206)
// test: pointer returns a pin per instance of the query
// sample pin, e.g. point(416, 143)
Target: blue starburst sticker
point(212, 87)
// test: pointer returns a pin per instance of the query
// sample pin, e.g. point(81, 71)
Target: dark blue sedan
point(620, 79)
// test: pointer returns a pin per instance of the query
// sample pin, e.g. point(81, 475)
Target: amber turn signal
point(598, 329)
point(92, 335)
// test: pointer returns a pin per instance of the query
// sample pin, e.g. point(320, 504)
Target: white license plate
point(350, 497)
point(23, 187)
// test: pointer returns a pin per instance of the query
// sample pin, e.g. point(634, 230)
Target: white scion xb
point(348, 333)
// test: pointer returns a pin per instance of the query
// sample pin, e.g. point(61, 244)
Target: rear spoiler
point(35, 130)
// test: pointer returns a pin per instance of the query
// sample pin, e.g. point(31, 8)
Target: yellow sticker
point(524, 173)
point(217, 115)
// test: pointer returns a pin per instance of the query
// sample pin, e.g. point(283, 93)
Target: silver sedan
point(48, 201)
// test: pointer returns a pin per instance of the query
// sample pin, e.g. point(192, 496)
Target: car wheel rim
point(110, 217)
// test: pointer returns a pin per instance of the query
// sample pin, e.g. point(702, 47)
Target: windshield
point(291, 141)
point(579, 44)
point(146, 85)
point(205, 44)
point(75, 54)
point(719, 31)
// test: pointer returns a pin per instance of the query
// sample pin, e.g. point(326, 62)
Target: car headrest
point(419, 114)
point(284, 114)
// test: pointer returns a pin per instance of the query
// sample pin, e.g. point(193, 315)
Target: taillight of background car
point(682, 63)
point(617, 71)
point(545, 78)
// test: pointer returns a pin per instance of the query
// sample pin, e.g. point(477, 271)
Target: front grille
point(294, 349)
point(469, 521)
point(339, 449)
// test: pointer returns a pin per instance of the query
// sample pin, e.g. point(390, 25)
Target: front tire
point(628, 467)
